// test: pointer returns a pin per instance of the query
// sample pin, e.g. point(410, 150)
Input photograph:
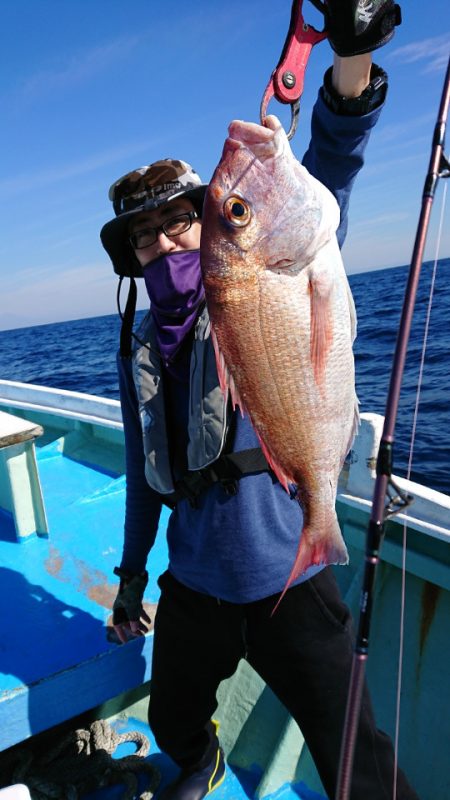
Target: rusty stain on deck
point(94, 584)
point(89, 581)
point(103, 594)
point(54, 564)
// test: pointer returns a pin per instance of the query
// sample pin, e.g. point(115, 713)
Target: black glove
point(128, 603)
point(360, 26)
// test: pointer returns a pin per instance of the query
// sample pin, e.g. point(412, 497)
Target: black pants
point(304, 653)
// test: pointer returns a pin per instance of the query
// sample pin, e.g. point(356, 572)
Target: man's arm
point(348, 106)
point(143, 504)
point(351, 75)
point(142, 512)
point(351, 98)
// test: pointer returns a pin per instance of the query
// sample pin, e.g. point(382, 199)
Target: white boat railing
point(429, 511)
point(62, 403)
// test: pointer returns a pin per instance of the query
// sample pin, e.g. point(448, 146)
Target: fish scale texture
point(283, 320)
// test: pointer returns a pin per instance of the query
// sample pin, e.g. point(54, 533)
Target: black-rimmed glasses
point(145, 237)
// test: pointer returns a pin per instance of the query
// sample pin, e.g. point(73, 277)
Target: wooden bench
point(20, 488)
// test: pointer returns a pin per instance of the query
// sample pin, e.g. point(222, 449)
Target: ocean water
point(80, 355)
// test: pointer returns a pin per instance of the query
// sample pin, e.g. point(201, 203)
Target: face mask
point(174, 286)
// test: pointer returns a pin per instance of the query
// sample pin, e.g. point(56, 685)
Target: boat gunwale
point(62, 403)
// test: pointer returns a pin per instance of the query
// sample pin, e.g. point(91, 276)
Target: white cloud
point(78, 68)
point(401, 131)
point(434, 50)
point(387, 240)
point(395, 165)
point(26, 181)
point(362, 227)
point(45, 295)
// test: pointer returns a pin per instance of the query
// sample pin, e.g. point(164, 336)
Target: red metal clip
point(287, 80)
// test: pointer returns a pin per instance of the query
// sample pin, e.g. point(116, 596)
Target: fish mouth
point(263, 142)
point(231, 145)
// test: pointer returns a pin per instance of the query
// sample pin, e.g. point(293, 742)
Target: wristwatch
point(373, 95)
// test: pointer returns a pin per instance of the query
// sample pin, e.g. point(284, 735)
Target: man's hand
point(129, 616)
point(360, 26)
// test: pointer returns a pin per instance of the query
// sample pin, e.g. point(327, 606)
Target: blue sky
point(93, 88)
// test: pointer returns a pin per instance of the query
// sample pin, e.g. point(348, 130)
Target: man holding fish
point(250, 307)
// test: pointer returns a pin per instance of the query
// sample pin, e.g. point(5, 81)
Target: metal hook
point(287, 79)
point(295, 111)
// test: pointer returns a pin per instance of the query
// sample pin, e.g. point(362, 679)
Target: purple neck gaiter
point(174, 286)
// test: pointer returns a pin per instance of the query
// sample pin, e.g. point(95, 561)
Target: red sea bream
point(283, 321)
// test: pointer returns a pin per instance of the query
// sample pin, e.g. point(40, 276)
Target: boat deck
point(239, 784)
point(58, 593)
point(56, 660)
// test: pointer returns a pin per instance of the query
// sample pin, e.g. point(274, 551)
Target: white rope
point(408, 475)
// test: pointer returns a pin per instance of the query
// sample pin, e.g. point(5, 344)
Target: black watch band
point(372, 97)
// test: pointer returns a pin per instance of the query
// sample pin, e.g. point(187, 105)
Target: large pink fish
point(283, 321)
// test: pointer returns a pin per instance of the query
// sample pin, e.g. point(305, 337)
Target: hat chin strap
point(127, 317)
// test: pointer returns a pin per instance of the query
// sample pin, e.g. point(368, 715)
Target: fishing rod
point(385, 487)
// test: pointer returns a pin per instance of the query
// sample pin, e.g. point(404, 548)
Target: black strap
point(127, 317)
point(227, 470)
point(242, 463)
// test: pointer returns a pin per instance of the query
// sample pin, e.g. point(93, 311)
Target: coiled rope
point(80, 763)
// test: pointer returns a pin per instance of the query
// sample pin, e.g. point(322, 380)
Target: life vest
point(207, 423)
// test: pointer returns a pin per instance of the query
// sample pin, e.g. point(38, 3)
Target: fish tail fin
point(316, 550)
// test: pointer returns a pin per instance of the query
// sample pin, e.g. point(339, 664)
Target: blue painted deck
point(56, 660)
point(58, 593)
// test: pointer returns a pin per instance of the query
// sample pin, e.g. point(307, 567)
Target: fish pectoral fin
point(321, 326)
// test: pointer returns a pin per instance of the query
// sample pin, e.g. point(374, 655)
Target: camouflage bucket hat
point(144, 189)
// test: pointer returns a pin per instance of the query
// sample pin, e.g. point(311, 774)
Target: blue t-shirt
point(240, 547)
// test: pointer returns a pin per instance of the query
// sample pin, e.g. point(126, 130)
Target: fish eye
point(237, 211)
